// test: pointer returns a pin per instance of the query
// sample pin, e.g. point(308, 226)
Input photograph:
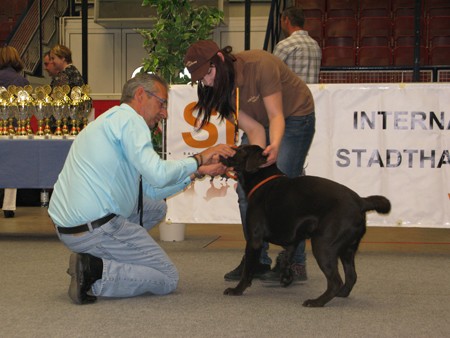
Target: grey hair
point(144, 80)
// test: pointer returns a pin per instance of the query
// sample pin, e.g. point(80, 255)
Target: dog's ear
point(255, 158)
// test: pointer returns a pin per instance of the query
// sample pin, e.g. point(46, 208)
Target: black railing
point(383, 74)
point(36, 28)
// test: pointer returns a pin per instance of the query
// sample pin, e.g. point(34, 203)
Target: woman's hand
point(272, 154)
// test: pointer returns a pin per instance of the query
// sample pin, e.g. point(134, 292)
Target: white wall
point(233, 33)
point(111, 53)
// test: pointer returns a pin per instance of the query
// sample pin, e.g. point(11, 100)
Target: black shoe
point(8, 213)
point(274, 275)
point(236, 274)
point(83, 276)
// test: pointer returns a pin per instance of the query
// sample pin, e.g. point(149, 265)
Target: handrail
point(39, 17)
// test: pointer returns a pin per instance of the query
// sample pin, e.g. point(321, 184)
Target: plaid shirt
point(302, 54)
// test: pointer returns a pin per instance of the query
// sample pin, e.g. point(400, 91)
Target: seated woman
point(11, 67)
point(67, 73)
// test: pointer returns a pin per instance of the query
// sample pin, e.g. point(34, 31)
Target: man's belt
point(84, 227)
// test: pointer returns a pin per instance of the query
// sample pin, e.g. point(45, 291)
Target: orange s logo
point(210, 128)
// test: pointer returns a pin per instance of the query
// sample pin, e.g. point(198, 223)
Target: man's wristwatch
point(198, 158)
point(198, 175)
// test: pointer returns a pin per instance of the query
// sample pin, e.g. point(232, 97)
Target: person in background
point(96, 203)
point(11, 67)
point(49, 65)
point(274, 108)
point(298, 50)
point(67, 73)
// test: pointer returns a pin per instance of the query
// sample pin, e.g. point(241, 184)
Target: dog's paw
point(312, 303)
point(343, 292)
point(232, 292)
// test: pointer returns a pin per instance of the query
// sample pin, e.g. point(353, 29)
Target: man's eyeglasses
point(162, 101)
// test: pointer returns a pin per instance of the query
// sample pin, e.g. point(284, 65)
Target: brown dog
point(284, 211)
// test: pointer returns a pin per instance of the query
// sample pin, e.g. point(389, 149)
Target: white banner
point(388, 139)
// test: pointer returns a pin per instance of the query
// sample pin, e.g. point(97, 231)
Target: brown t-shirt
point(260, 74)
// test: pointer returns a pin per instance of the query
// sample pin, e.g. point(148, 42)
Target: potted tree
point(177, 25)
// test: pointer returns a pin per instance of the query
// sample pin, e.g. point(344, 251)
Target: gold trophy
point(4, 111)
point(49, 111)
point(75, 108)
point(40, 107)
point(30, 109)
point(87, 104)
point(58, 107)
point(21, 103)
point(65, 108)
point(22, 111)
point(24, 103)
point(12, 107)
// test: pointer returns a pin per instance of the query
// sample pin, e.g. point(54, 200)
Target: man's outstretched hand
point(212, 154)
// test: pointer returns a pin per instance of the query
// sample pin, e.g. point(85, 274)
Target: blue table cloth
point(31, 163)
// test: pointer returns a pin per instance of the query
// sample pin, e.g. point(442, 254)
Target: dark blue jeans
point(297, 139)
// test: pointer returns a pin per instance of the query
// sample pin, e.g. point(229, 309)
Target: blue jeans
point(297, 139)
point(133, 263)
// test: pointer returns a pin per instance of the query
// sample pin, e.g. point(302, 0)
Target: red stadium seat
point(374, 8)
point(404, 26)
point(438, 27)
point(315, 29)
point(338, 56)
point(374, 31)
point(437, 8)
point(340, 29)
point(348, 8)
point(403, 8)
point(440, 56)
point(439, 41)
point(312, 8)
point(369, 56)
point(404, 56)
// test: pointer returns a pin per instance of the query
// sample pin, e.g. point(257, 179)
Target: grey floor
point(403, 290)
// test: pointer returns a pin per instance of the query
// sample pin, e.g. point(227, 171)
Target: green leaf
point(178, 24)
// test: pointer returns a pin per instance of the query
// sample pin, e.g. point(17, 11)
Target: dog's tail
point(378, 203)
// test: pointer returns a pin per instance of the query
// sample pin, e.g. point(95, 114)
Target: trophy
point(21, 103)
point(75, 107)
point(30, 109)
point(87, 104)
point(58, 107)
point(22, 111)
point(4, 111)
point(66, 108)
point(12, 108)
point(40, 108)
point(49, 111)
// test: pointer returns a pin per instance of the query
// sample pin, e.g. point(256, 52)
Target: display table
point(31, 163)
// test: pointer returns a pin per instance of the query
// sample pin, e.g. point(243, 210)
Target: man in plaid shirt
point(299, 51)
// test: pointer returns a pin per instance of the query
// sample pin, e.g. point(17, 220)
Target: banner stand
point(172, 232)
point(377, 139)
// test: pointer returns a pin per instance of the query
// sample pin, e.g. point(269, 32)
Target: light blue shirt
point(102, 170)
